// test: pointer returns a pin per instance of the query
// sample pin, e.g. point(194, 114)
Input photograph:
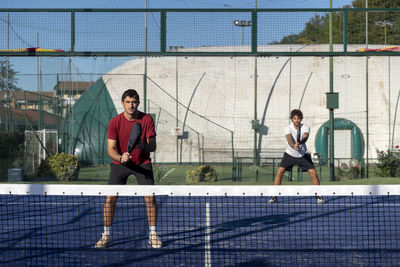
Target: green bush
point(63, 166)
point(203, 173)
point(388, 162)
point(348, 171)
point(11, 152)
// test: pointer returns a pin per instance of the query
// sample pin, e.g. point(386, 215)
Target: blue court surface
point(202, 231)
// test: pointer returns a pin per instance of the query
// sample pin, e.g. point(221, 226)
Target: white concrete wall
point(225, 96)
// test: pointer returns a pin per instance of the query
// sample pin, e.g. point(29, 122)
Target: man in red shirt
point(138, 162)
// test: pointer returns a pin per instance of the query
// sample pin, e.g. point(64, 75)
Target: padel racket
point(298, 134)
point(134, 137)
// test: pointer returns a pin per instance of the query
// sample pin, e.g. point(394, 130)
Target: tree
point(8, 77)
point(316, 30)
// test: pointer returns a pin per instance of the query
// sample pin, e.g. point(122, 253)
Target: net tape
point(199, 190)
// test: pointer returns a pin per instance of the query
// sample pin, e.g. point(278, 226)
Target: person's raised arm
point(113, 154)
point(304, 140)
point(289, 139)
point(150, 146)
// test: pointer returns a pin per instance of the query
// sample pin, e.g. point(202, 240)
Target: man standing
point(125, 163)
point(296, 153)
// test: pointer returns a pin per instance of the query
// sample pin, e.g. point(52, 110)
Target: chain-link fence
point(38, 146)
point(219, 83)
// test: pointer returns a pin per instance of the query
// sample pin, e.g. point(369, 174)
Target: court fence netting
point(58, 225)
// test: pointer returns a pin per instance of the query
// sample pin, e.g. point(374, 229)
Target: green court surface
point(172, 174)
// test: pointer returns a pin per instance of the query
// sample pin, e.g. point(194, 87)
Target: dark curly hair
point(131, 93)
point(296, 112)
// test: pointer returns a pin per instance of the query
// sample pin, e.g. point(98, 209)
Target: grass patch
point(173, 174)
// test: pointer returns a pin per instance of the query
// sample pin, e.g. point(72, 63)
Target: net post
point(234, 170)
point(72, 31)
point(233, 157)
point(345, 30)
point(273, 169)
point(163, 31)
point(254, 31)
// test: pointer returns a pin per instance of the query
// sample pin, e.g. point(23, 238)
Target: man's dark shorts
point(119, 174)
point(304, 162)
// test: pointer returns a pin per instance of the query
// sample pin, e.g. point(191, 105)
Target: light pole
point(242, 24)
point(145, 60)
point(384, 24)
point(366, 175)
point(331, 110)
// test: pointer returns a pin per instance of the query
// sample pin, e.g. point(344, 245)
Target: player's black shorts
point(304, 162)
point(119, 174)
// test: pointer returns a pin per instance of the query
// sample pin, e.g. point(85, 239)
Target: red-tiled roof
point(27, 95)
point(32, 115)
point(74, 85)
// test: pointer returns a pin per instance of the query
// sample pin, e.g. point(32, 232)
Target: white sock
point(152, 229)
point(107, 230)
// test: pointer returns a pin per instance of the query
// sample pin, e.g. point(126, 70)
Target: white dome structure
point(204, 106)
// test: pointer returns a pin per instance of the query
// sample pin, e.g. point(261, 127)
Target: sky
point(87, 68)
point(172, 3)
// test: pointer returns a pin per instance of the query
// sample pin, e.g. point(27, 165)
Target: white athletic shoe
point(154, 240)
point(320, 200)
point(104, 241)
point(272, 200)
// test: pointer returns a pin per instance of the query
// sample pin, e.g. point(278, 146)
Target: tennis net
point(59, 225)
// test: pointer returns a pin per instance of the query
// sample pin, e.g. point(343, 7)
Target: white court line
point(171, 170)
point(207, 247)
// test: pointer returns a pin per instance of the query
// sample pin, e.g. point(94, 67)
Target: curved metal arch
point(321, 139)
